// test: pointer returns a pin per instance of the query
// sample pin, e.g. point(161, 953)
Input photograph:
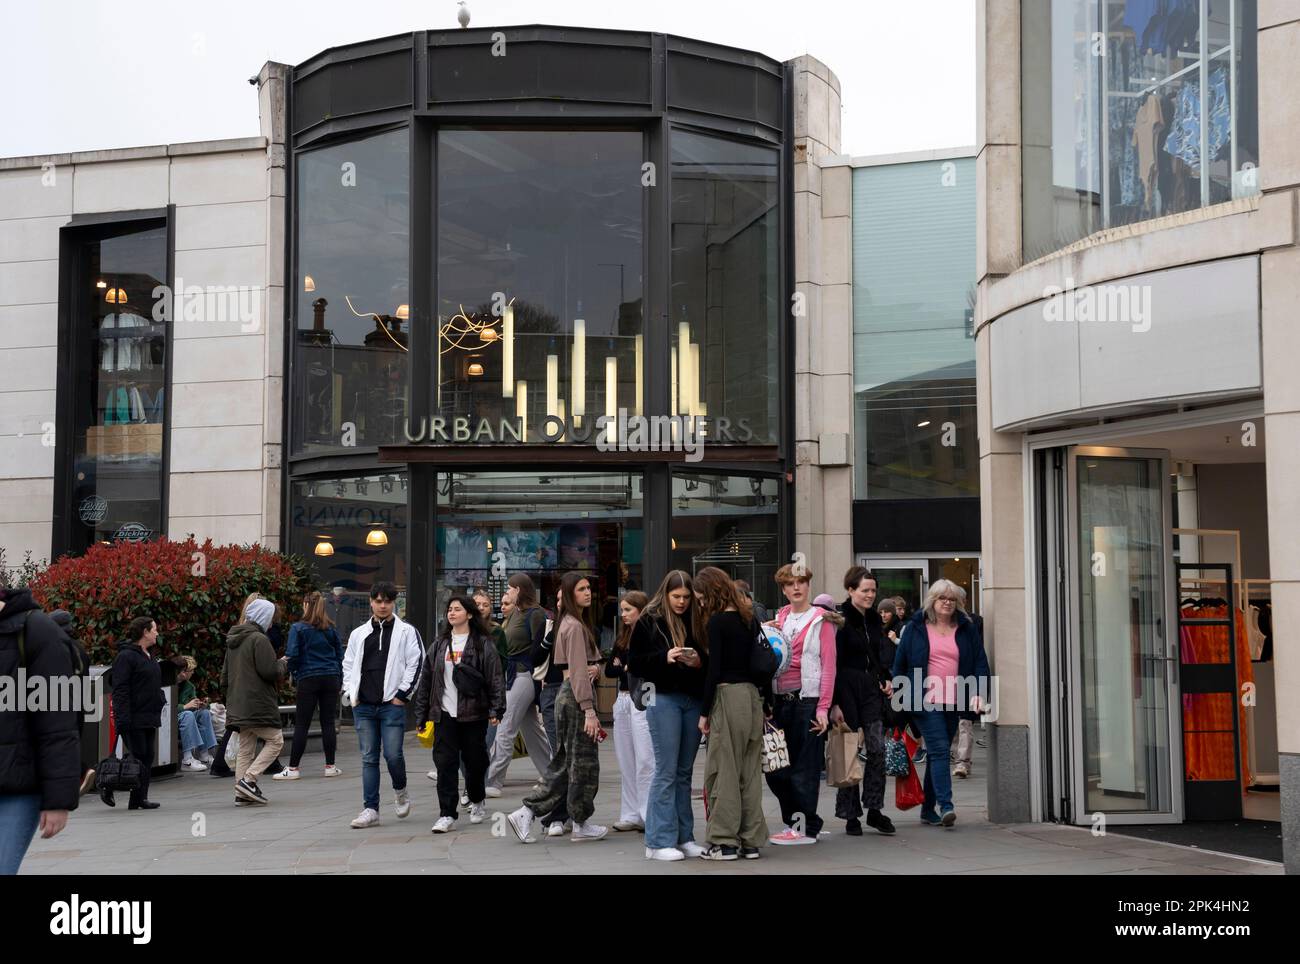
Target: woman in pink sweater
point(803, 700)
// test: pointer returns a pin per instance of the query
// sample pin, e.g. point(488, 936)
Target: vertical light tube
point(552, 384)
point(437, 370)
point(521, 407)
point(508, 352)
point(560, 413)
point(611, 386)
point(672, 399)
point(578, 377)
point(697, 389)
point(684, 379)
point(639, 387)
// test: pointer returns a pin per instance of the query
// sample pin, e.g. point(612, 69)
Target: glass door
point(909, 578)
point(1122, 649)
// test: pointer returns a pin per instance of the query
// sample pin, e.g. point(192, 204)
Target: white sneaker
point(367, 818)
point(194, 766)
point(464, 801)
point(692, 849)
point(403, 804)
point(493, 792)
point(626, 826)
point(588, 831)
point(432, 775)
point(521, 822)
point(555, 830)
point(333, 771)
point(288, 773)
point(444, 824)
point(664, 853)
point(477, 812)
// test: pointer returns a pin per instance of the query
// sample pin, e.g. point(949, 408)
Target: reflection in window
point(494, 524)
point(725, 285)
point(1137, 117)
point(120, 388)
point(913, 354)
point(353, 531)
point(539, 281)
point(728, 521)
point(352, 304)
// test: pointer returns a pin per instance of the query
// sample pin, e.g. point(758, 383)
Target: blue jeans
point(20, 815)
point(383, 723)
point(938, 726)
point(674, 720)
point(196, 730)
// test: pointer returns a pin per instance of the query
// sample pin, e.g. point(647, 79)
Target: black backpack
point(77, 655)
point(763, 661)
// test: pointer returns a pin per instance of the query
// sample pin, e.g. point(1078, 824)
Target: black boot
point(107, 796)
point(854, 827)
point(880, 822)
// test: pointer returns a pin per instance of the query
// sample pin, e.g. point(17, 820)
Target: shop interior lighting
point(578, 375)
point(508, 350)
point(611, 384)
point(324, 548)
point(475, 369)
point(101, 283)
point(376, 537)
point(308, 283)
point(923, 424)
point(639, 390)
point(552, 384)
point(115, 296)
point(403, 312)
point(521, 407)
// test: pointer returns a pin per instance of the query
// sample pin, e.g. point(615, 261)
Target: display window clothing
point(121, 352)
point(1208, 750)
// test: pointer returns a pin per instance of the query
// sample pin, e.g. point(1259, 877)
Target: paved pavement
point(304, 830)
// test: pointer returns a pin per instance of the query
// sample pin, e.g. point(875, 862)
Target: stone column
point(823, 333)
point(1002, 466)
point(1279, 171)
point(271, 107)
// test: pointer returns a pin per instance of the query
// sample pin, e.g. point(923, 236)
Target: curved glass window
point(353, 531)
point(350, 369)
point(726, 286)
point(539, 283)
point(1133, 110)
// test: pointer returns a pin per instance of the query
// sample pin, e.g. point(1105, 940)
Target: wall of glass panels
point(913, 344)
point(352, 339)
point(731, 522)
point(1133, 109)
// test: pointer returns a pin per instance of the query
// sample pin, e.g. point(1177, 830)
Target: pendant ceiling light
point(376, 537)
point(324, 548)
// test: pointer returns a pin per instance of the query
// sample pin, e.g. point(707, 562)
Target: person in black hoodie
point(40, 752)
point(861, 687)
point(138, 703)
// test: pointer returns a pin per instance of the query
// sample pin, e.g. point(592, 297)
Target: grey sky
point(119, 73)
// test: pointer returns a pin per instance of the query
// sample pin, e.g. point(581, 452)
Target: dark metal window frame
point(72, 344)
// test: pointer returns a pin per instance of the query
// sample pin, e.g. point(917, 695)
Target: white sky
point(119, 73)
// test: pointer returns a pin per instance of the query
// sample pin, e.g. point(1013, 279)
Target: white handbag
point(776, 754)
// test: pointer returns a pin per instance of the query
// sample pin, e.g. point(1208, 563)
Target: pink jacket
point(818, 678)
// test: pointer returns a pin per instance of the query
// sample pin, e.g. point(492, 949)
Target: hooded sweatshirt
point(249, 678)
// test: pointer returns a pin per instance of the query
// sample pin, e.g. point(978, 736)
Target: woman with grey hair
point(942, 668)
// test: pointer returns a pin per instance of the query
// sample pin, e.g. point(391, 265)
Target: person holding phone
point(194, 721)
point(667, 654)
point(803, 701)
point(573, 776)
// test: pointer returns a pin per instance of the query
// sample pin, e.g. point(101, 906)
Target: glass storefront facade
point(487, 269)
point(1134, 110)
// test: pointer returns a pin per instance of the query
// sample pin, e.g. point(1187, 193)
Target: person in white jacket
point(380, 668)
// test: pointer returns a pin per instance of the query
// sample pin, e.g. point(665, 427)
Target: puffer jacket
point(480, 654)
point(137, 689)
point(249, 677)
point(39, 752)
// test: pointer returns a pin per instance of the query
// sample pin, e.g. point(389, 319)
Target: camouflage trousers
point(574, 771)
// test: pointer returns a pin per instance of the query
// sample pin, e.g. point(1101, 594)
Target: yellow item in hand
point(425, 734)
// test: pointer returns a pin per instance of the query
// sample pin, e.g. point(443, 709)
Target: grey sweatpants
point(521, 716)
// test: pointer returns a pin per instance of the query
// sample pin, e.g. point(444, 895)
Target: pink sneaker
point(790, 838)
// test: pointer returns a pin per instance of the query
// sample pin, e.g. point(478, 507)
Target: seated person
point(194, 719)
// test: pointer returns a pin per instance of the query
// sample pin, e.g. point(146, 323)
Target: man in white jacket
point(380, 668)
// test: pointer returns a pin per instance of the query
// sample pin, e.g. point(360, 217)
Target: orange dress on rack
point(1209, 752)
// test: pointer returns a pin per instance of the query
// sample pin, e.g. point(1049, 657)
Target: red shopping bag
point(908, 791)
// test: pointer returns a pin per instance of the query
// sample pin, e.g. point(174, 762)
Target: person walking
point(314, 654)
point(40, 752)
point(861, 688)
point(219, 767)
point(525, 627)
point(380, 669)
point(462, 689)
point(667, 654)
point(632, 746)
point(250, 678)
point(965, 746)
point(803, 702)
point(736, 704)
point(193, 719)
point(547, 674)
point(573, 776)
point(138, 704)
point(939, 652)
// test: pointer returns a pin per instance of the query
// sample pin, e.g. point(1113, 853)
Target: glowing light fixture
point(324, 548)
point(923, 424)
point(521, 407)
point(639, 390)
point(552, 384)
point(403, 312)
point(101, 283)
point(308, 283)
point(611, 386)
point(579, 374)
point(507, 351)
point(376, 537)
point(115, 296)
point(475, 369)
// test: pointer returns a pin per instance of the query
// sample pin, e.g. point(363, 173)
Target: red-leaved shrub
point(193, 591)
